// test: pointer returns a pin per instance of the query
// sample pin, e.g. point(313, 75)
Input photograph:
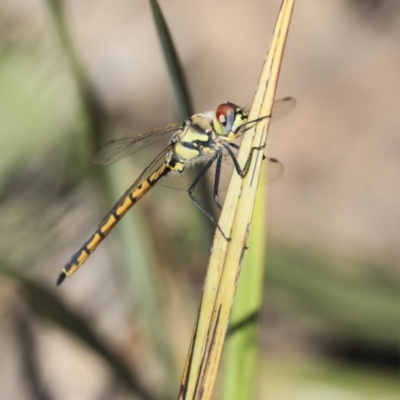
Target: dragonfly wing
point(274, 171)
point(281, 107)
point(146, 173)
point(117, 149)
point(183, 181)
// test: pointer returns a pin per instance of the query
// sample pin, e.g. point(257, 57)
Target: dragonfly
point(206, 137)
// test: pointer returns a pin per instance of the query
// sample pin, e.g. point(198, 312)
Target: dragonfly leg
point(253, 121)
point(195, 201)
point(216, 180)
point(242, 171)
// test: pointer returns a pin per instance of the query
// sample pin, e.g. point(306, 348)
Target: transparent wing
point(184, 180)
point(121, 148)
point(281, 107)
point(153, 166)
point(117, 149)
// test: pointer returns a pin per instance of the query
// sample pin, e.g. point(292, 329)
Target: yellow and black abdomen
point(130, 198)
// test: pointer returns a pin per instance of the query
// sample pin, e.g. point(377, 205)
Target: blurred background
point(74, 74)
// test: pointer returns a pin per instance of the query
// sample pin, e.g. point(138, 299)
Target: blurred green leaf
point(95, 114)
point(28, 110)
point(181, 93)
point(357, 308)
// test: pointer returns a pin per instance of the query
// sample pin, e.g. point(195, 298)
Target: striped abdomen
point(142, 185)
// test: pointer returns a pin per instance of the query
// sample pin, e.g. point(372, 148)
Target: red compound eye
point(225, 114)
point(224, 111)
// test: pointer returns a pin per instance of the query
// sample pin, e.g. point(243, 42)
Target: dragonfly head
point(228, 118)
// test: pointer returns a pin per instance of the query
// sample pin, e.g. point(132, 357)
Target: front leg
point(216, 180)
point(242, 171)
